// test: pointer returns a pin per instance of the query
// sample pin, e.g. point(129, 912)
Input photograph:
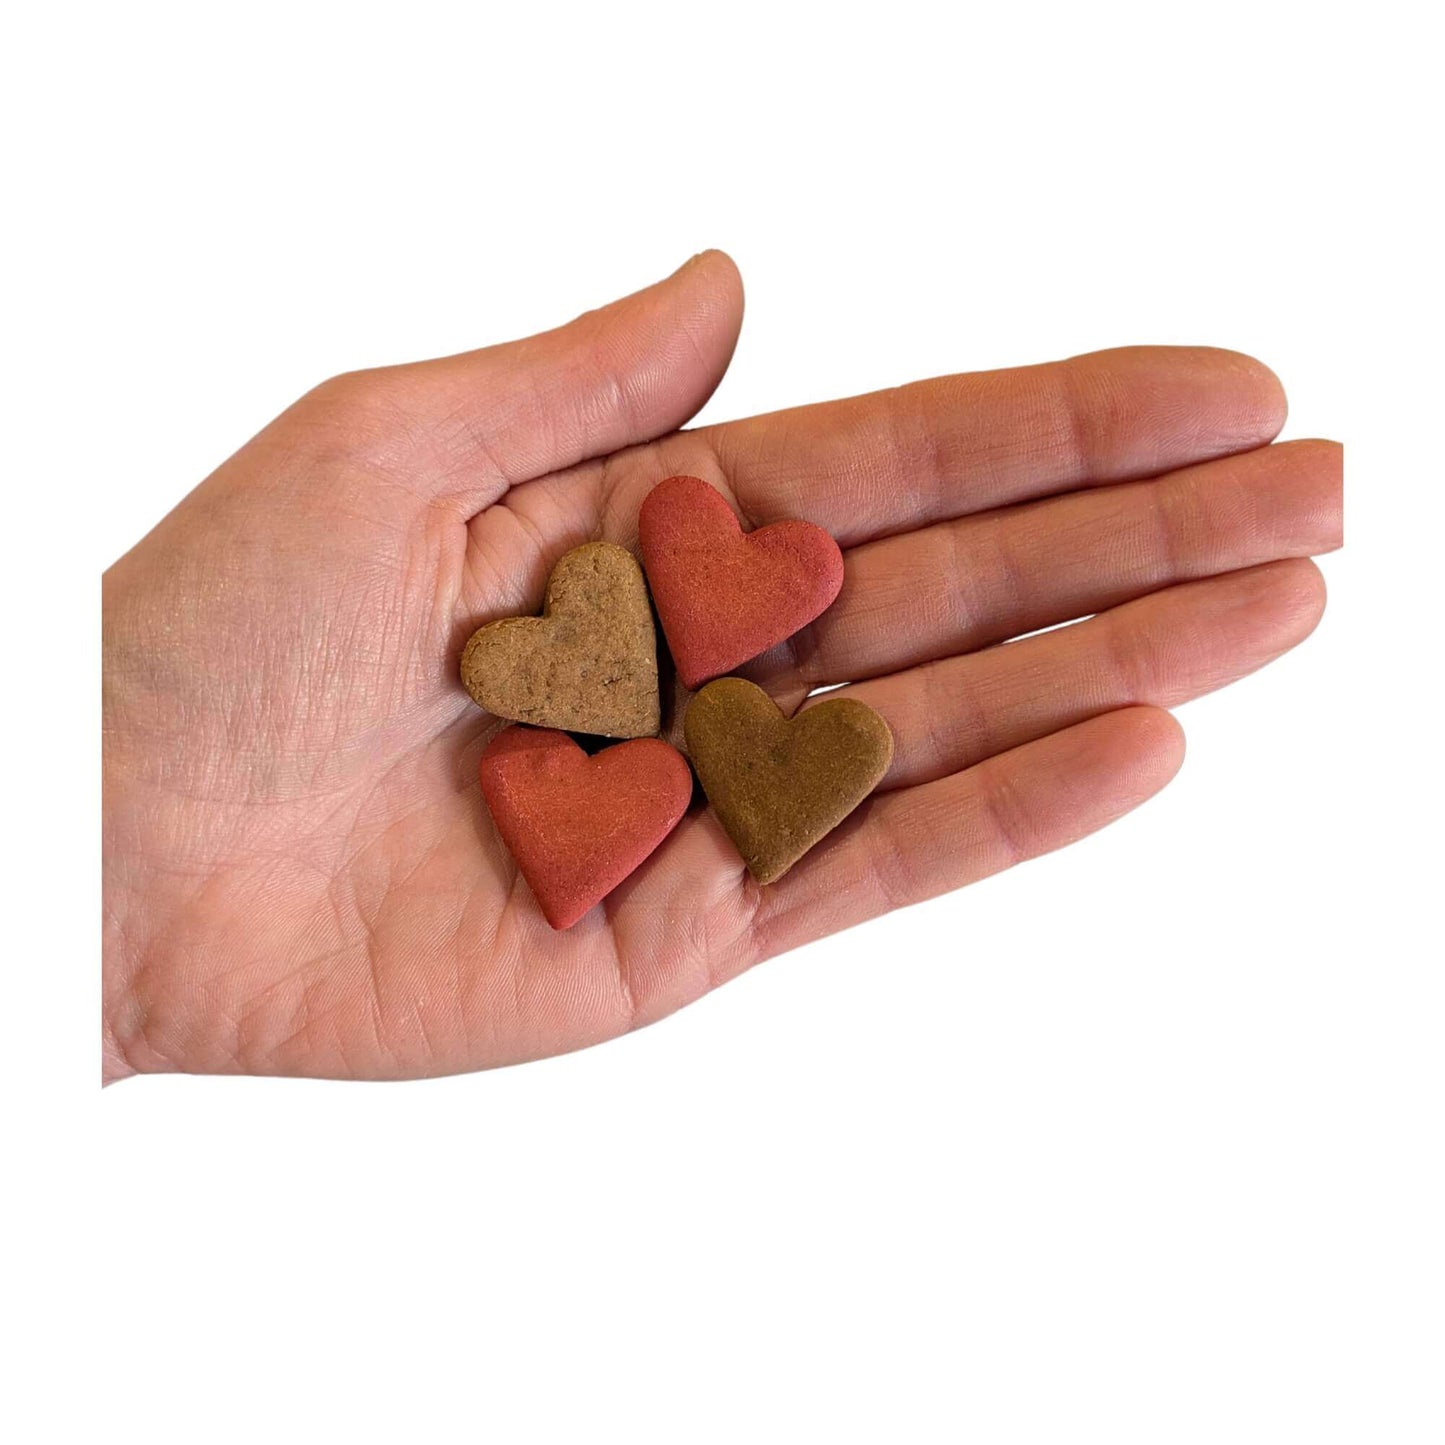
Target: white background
point(1140, 1142)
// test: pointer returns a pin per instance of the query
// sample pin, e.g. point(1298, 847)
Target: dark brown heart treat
point(588, 664)
point(779, 784)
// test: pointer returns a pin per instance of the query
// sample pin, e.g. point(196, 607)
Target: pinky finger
point(906, 846)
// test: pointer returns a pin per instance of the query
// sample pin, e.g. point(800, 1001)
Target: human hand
point(300, 874)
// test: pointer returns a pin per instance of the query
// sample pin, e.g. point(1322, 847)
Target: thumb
point(626, 373)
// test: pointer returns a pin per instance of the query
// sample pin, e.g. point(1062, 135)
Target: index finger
point(894, 460)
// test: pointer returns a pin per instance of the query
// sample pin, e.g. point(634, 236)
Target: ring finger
point(1160, 650)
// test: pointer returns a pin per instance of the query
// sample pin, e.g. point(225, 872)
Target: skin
point(300, 876)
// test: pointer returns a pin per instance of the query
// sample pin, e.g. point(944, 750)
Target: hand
point(300, 874)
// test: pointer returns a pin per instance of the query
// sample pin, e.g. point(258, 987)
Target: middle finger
point(961, 585)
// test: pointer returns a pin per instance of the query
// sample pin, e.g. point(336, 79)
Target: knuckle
point(354, 394)
point(360, 417)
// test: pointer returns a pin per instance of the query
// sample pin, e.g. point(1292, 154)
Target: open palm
point(300, 874)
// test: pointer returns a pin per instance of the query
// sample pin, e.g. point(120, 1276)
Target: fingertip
point(1327, 461)
point(1304, 595)
point(1137, 411)
point(1150, 745)
point(1304, 480)
point(716, 262)
point(715, 277)
point(1240, 390)
point(1243, 397)
point(1100, 769)
point(1256, 386)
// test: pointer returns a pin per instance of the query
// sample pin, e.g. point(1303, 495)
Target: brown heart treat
point(779, 784)
point(588, 664)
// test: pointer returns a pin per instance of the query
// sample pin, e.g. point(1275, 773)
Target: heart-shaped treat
point(578, 825)
point(587, 664)
point(778, 784)
point(725, 595)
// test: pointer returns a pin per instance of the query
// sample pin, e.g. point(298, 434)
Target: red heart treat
point(724, 595)
point(578, 825)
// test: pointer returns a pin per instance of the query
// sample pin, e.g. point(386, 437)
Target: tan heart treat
point(779, 784)
point(588, 664)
